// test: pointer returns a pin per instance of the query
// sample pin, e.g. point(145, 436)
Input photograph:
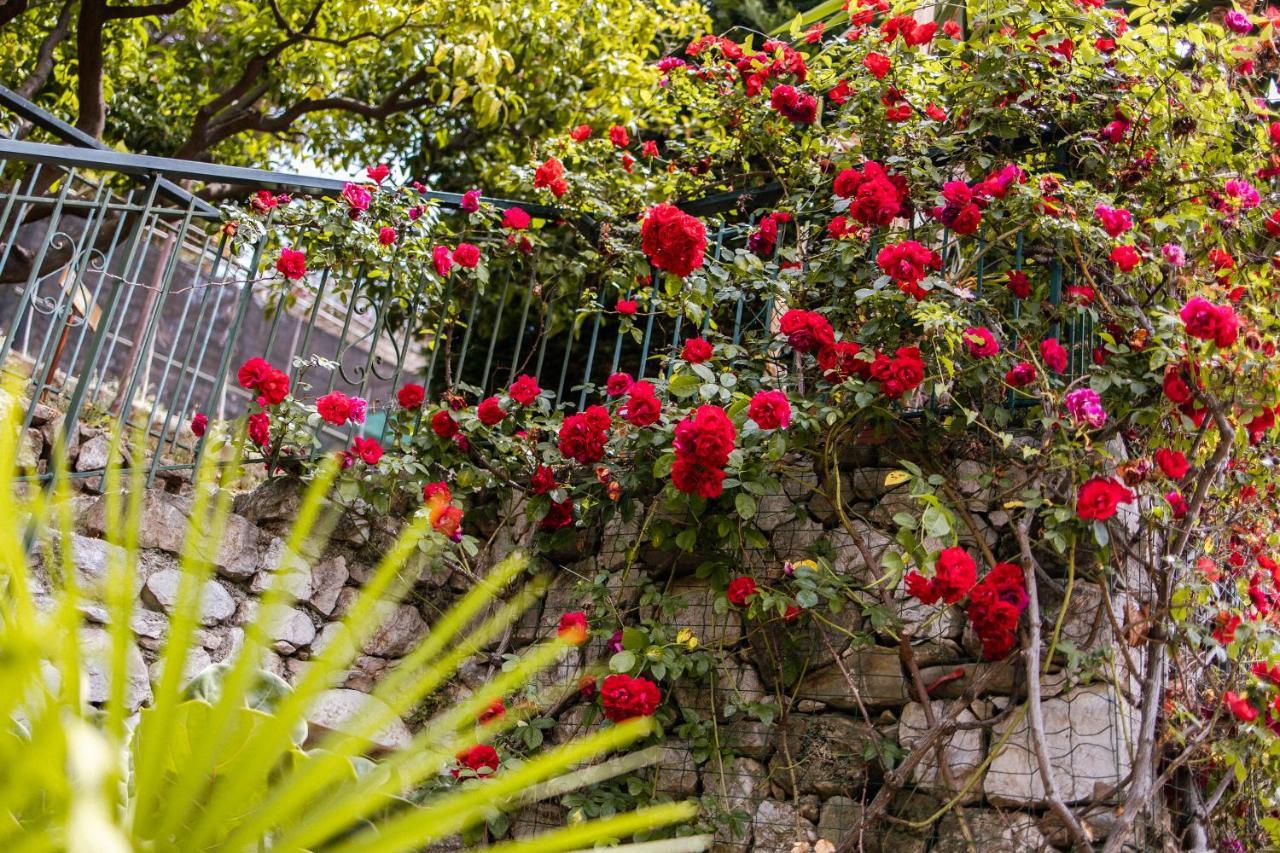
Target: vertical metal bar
point(311, 324)
point(341, 349)
point(99, 335)
point(466, 337)
point(648, 326)
point(29, 289)
point(143, 347)
point(437, 340)
point(242, 309)
point(220, 290)
point(11, 240)
point(617, 346)
point(130, 271)
point(493, 337)
point(107, 260)
point(524, 320)
point(591, 352)
point(675, 344)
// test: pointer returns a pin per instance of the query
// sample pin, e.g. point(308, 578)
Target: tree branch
point(92, 117)
point(116, 13)
point(43, 67)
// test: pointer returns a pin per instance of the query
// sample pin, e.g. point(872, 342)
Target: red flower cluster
point(1209, 322)
point(777, 59)
point(524, 390)
point(806, 331)
point(334, 407)
point(271, 385)
point(573, 628)
point(794, 105)
point(907, 262)
point(764, 239)
point(980, 342)
point(961, 210)
point(875, 196)
point(292, 264)
point(445, 518)
point(411, 396)
point(673, 240)
point(696, 351)
point(367, 450)
point(899, 373)
point(995, 606)
point(550, 175)
point(625, 698)
point(490, 411)
point(913, 32)
point(259, 429)
point(955, 573)
point(840, 361)
point(583, 435)
point(703, 442)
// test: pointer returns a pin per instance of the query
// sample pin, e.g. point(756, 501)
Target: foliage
point(226, 760)
point(455, 92)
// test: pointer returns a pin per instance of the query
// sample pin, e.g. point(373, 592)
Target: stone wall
point(848, 709)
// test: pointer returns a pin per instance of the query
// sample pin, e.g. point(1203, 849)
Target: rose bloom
point(516, 219)
point(1085, 407)
point(481, 759)
point(1238, 22)
point(1209, 322)
point(386, 235)
point(559, 515)
point(443, 424)
point(642, 407)
point(1054, 355)
point(696, 351)
point(618, 136)
point(955, 573)
point(583, 435)
point(543, 480)
point(980, 342)
point(900, 373)
point(470, 201)
point(199, 424)
point(626, 307)
point(259, 429)
point(840, 361)
point(770, 409)
point(357, 198)
point(740, 591)
point(1177, 503)
point(1125, 257)
point(524, 390)
point(467, 255)
point(334, 408)
point(1240, 706)
point(1018, 283)
point(1174, 254)
point(673, 240)
point(706, 436)
point(581, 133)
point(694, 478)
point(806, 331)
point(496, 710)
point(794, 105)
point(1173, 463)
point(490, 411)
point(368, 449)
point(1021, 374)
point(618, 384)
point(625, 698)
point(573, 628)
point(1115, 221)
point(411, 396)
point(1098, 498)
point(441, 260)
point(292, 264)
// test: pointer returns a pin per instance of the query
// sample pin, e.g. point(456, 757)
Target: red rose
point(334, 408)
point(368, 449)
point(1175, 384)
point(1021, 374)
point(386, 235)
point(1125, 257)
point(706, 437)
point(411, 396)
point(673, 240)
point(693, 478)
point(515, 218)
point(1177, 503)
point(642, 408)
point(955, 573)
point(980, 342)
point(481, 759)
point(259, 428)
point(466, 255)
point(470, 202)
point(794, 105)
point(550, 175)
point(357, 198)
point(542, 481)
point(740, 591)
point(907, 263)
point(581, 133)
point(922, 588)
point(1173, 463)
point(524, 390)
point(1054, 355)
point(878, 64)
point(770, 410)
point(696, 351)
point(441, 260)
point(626, 307)
point(490, 412)
point(618, 384)
point(495, 711)
point(618, 136)
point(292, 264)
point(625, 697)
point(840, 361)
point(1115, 221)
point(806, 331)
point(559, 515)
point(1209, 322)
point(582, 438)
point(1098, 498)
point(573, 628)
point(875, 196)
point(1240, 706)
point(253, 372)
point(1018, 283)
point(378, 173)
point(898, 374)
point(199, 423)
point(443, 424)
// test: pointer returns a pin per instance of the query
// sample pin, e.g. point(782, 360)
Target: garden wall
point(838, 686)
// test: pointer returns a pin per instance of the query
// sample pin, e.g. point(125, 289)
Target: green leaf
point(745, 504)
